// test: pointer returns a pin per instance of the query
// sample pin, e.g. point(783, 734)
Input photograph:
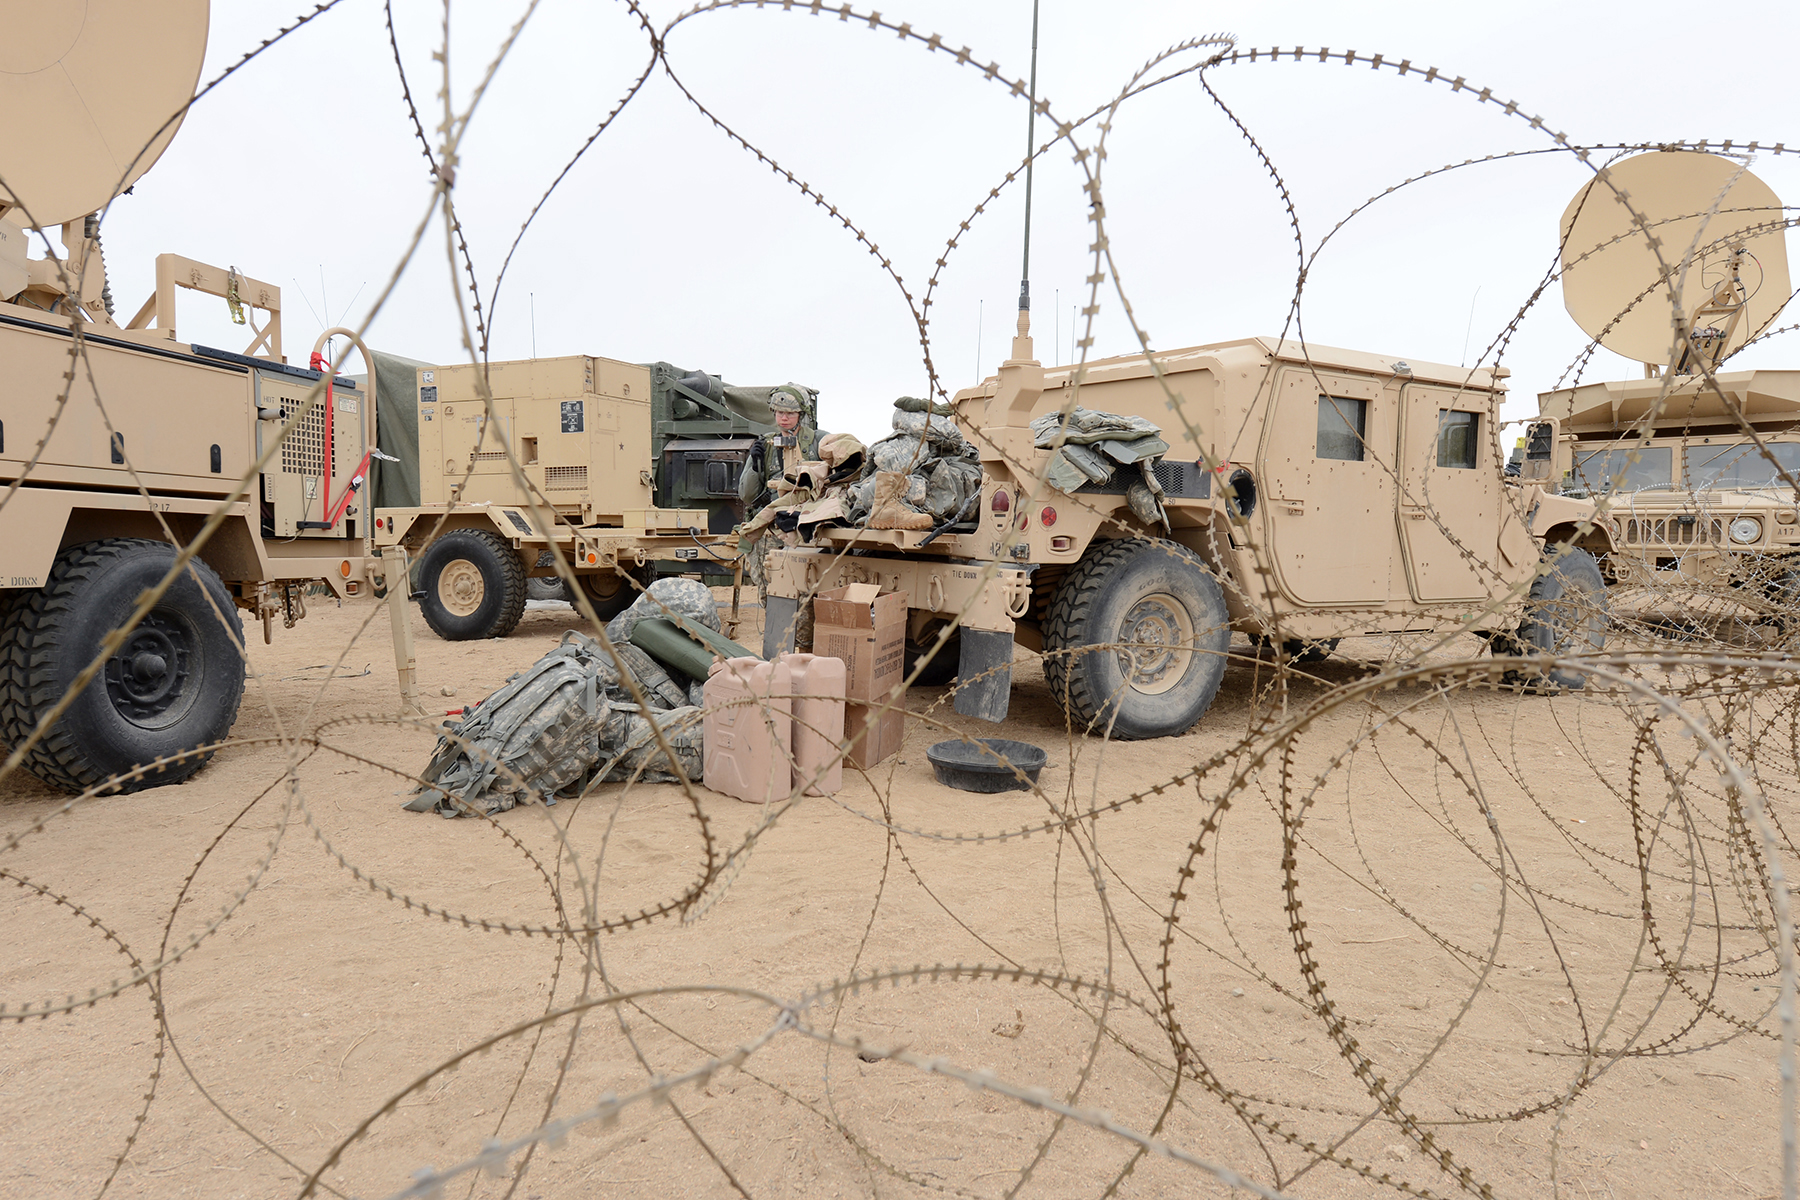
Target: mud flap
point(984, 687)
point(778, 625)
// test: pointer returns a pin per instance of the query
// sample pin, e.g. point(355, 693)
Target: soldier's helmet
point(787, 398)
point(840, 449)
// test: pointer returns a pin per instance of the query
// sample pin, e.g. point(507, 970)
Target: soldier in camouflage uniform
point(763, 485)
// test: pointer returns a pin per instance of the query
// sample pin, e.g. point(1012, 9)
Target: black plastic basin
point(986, 765)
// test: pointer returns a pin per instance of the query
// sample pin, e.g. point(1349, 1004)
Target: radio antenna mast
point(1030, 155)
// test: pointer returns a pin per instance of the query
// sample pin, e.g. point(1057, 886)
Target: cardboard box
point(872, 734)
point(867, 629)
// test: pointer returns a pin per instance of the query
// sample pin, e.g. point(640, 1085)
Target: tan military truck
point(622, 470)
point(1331, 492)
point(1696, 500)
point(118, 440)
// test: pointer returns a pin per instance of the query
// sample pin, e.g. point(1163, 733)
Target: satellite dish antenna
point(1617, 289)
point(88, 87)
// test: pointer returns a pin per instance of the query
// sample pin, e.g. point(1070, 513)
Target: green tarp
point(396, 484)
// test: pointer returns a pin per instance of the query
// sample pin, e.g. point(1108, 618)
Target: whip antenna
point(1030, 155)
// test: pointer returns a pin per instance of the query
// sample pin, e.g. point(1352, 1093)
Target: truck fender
point(46, 520)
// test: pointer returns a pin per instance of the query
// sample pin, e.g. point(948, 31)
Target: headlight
point(1745, 530)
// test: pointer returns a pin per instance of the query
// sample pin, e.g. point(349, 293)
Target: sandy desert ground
point(1520, 949)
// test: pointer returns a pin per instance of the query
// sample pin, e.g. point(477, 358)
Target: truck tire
point(474, 585)
point(610, 593)
point(546, 587)
point(1566, 613)
point(1143, 590)
point(174, 684)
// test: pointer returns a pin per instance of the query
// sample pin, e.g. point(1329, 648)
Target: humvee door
point(1449, 511)
point(1329, 481)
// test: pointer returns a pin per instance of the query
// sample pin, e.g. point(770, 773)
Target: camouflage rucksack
point(561, 720)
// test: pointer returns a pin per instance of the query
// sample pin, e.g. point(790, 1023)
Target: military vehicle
point(119, 441)
point(1327, 492)
point(634, 469)
point(1675, 456)
point(1696, 500)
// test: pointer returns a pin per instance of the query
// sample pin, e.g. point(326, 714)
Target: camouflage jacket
point(769, 459)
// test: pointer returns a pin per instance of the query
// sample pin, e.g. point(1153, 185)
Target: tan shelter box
point(872, 734)
point(867, 629)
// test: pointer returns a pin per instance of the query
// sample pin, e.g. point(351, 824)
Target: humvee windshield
point(1643, 467)
point(1742, 465)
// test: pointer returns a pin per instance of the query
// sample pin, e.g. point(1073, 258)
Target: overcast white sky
point(669, 241)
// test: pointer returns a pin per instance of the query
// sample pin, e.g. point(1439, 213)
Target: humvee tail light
point(1002, 502)
point(1745, 530)
point(344, 568)
point(1047, 518)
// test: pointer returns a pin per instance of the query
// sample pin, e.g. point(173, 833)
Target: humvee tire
point(1301, 650)
point(943, 665)
point(609, 593)
point(1566, 612)
point(1145, 590)
point(473, 584)
point(174, 684)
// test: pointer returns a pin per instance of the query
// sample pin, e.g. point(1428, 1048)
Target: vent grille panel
point(303, 450)
point(1674, 531)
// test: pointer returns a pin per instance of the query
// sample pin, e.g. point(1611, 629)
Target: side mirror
point(1540, 450)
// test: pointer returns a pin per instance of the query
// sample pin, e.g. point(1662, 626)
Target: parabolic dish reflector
point(87, 90)
point(1612, 278)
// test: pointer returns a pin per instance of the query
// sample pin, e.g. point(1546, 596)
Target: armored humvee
point(1696, 501)
point(1321, 493)
point(1675, 456)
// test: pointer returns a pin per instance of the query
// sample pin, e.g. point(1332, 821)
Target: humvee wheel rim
point(1155, 637)
point(460, 587)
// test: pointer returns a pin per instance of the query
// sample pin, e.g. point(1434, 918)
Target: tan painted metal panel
point(170, 413)
point(1449, 517)
point(1329, 519)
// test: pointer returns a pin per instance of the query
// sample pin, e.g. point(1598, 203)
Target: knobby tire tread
point(1070, 610)
point(30, 670)
point(513, 600)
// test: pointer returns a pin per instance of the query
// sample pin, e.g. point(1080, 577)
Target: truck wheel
point(474, 585)
point(1566, 613)
point(943, 666)
point(1159, 595)
point(545, 587)
point(609, 592)
point(174, 684)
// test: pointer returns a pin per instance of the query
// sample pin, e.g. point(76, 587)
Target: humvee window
point(1341, 426)
point(1742, 465)
point(1456, 438)
point(1595, 470)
